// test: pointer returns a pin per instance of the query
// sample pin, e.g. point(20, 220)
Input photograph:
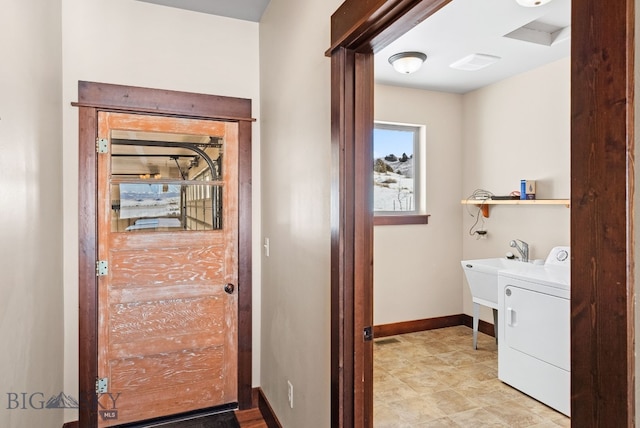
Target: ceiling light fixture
point(532, 3)
point(407, 62)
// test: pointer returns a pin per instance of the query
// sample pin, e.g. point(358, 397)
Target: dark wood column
point(602, 175)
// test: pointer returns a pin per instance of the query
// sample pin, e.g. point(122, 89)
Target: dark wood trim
point(352, 242)
point(602, 135)
point(73, 424)
point(88, 285)
point(167, 103)
point(602, 178)
point(391, 220)
point(107, 96)
point(342, 240)
point(370, 25)
point(266, 410)
point(414, 326)
point(255, 396)
point(483, 326)
point(245, 268)
point(153, 112)
point(363, 239)
point(354, 39)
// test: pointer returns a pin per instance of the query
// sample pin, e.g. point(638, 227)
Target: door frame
point(94, 97)
point(602, 186)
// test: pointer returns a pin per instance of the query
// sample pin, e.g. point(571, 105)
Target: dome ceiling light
point(407, 62)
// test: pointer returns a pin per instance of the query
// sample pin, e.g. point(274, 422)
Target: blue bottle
point(523, 189)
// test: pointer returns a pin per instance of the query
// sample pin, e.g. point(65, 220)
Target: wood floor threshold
point(404, 327)
point(251, 418)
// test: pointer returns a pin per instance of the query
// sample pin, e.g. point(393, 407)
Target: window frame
point(418, 214)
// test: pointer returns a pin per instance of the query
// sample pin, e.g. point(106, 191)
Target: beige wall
point(141, 44)
point(518, 129)
point(416, 268)
point(31, 304)
point(490, 139)
point(296, 173)
point(135, 43)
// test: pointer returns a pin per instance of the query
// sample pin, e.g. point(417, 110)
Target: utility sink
point(482, 277)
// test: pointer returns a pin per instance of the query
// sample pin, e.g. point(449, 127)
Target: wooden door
point(167, 306)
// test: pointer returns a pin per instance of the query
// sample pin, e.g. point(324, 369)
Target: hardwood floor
point(251, 418)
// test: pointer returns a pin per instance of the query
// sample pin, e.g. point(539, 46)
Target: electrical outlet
point(290, 393)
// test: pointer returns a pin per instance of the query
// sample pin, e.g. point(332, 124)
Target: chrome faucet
point(523, 249)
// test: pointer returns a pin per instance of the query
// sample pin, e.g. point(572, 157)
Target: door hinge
point(102, 145)
point(368, 334)
point(102, 385)
point(102, 268)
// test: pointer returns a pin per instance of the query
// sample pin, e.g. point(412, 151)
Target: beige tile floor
point(435, 379)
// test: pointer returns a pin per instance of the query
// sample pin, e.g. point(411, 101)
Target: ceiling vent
point(541, 33)
point(475, 62)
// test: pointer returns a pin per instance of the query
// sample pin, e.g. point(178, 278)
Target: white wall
point(31, 304)
point(490, 139)
point(417, 271)
point(518, 129)
point(136, 43)
point(296, 173)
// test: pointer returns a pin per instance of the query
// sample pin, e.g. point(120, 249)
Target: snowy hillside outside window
point(396, 169)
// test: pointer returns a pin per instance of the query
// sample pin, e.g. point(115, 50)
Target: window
point(165, 181)
point(398, 173)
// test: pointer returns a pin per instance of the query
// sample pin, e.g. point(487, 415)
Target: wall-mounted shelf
point(485, 203)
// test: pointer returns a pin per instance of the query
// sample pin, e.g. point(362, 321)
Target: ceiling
point(465, 27)
point(461, 28)
point(248, 10)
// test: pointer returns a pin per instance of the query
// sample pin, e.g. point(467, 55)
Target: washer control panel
point(559, 256)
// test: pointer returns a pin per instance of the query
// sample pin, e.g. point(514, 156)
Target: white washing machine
point(534, 330)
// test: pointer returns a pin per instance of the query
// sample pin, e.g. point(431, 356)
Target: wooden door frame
point(602, 185)
point(94, 97)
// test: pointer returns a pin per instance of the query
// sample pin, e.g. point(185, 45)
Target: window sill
point(390, 220)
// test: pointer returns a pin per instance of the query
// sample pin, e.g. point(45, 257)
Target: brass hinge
point(102, 145)
point(102, 268)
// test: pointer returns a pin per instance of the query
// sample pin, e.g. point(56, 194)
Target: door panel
point(167, 330)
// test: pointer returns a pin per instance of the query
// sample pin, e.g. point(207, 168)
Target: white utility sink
point(482, 277)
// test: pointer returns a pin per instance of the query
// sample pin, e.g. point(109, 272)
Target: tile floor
point(435, 379)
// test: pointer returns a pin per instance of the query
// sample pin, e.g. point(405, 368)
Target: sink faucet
point(523, 248)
